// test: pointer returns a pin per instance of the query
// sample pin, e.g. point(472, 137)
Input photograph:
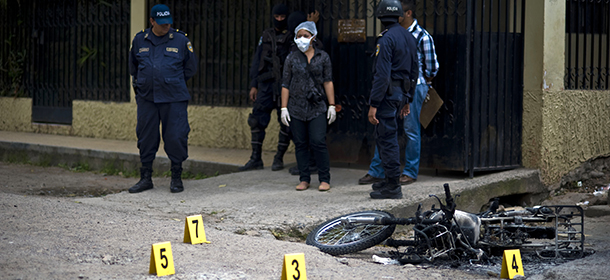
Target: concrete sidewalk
point(261, 199)
point(97, 152)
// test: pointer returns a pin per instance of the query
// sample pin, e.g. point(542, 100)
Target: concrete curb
point(597, 211)
point(98, 160)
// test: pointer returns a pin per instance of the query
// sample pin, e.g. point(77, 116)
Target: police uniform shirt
point(162, 65)
point(395, 59)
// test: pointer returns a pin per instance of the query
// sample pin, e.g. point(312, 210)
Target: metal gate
point(479, 44)
point(480, 49)
point(77, 50)
point(350, 138)
point(225, 33)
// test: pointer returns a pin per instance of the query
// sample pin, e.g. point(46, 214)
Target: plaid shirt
point(428, 65)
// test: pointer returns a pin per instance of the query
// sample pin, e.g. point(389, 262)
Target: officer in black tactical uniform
point(394, 78)
point(265, 75)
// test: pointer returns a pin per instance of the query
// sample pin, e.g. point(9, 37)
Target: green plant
point(89, 53)
point(13, 67)
point(188, 175)
point(81, 167)
point(110, 169)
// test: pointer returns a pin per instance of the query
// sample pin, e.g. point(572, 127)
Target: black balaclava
point(279, 9)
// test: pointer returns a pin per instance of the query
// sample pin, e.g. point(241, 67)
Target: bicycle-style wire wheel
point(335, 238)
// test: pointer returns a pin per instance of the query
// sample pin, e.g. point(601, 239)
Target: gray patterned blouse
point(298, 81)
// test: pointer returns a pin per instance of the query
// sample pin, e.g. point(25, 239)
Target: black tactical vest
point(282, 41)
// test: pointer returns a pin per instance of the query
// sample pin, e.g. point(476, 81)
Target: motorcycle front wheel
point(334, 238)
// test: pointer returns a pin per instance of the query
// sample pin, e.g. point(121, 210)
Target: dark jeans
point(311, 135)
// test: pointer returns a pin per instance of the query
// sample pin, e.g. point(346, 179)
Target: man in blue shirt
point(161, 60)
point(394, 74)
point(428, 68)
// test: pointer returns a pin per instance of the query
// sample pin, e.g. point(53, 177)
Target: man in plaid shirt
point(428, 67)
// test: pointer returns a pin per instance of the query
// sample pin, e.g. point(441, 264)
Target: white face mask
point(303, 43)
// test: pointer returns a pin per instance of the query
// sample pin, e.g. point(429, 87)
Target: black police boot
point(145, 182)
point(278, 159)
point(278, 163)
point(282, 145)
point(379, 185)
point(391, 190)
point(176, 185)
point(255, 162)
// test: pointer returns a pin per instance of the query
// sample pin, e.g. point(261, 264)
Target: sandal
point(302, 186)
point(324, 187)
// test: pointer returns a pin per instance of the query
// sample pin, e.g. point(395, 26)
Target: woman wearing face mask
point(306, 83)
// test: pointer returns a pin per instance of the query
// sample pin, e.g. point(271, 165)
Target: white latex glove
point(331, 115)
point(285, 117)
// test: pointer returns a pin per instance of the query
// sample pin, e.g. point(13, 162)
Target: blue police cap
point(160, 13)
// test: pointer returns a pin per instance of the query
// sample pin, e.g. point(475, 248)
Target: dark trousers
point(174, 121)
point(261, 116)
point(386, 133)
point(311, 135)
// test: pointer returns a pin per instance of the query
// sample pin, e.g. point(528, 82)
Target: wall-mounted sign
point(351, 31)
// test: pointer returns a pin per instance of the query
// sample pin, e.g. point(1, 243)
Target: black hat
point(389, 8)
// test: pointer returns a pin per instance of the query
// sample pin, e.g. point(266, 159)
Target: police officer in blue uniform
point(394, 76)
point(265, 88)
point(161, 60)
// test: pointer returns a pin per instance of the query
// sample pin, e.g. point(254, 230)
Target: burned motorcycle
point(548, 231)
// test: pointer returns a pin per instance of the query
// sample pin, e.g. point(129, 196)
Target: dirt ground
point(44, 234)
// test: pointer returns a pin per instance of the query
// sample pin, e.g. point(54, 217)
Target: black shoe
point(391, 189)
point(386, 194)
point(379, 185)
point(141, 186)
point(252, 165)
point(176, 185)
point(256, 160)
point(368, 179)
point(145, 182)
point(278, 164)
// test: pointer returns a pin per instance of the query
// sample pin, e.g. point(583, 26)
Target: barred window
point(587, 44)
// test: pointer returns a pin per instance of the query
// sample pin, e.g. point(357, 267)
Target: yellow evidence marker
point(294, 267)
point(511, 264)
point(194, 232)
point(161, 259)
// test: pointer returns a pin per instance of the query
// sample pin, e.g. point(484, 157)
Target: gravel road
point(49, 230)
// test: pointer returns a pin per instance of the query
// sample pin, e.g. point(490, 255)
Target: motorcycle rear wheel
point(334, 238)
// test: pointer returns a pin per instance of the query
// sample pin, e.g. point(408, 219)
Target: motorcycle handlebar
point(447, 191)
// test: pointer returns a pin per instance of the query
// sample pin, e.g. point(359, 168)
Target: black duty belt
point(405, 85)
